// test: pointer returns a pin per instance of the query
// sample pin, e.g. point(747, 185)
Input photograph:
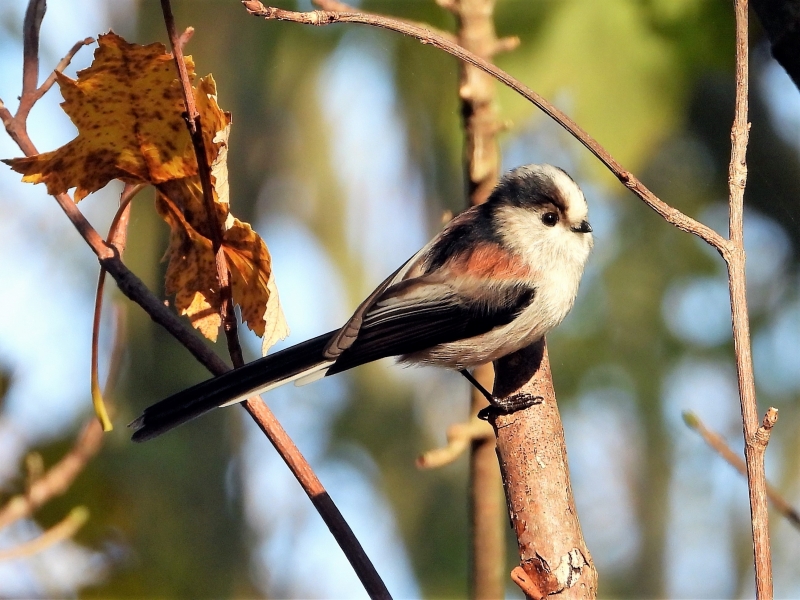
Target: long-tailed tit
point(496, 279)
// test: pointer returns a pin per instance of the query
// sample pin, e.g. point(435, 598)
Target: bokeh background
point(345, 152)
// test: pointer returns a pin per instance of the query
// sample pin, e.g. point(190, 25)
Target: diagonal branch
point(427, 36)
point(51, 79)
point(61, 531)
point(58, 479)
point(718, 443)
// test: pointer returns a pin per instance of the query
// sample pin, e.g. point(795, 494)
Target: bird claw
point(508, 405)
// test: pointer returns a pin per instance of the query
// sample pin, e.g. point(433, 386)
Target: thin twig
point(754, 448)
point(117, 236)
point(194, 123)
point(63, 530)
point(255, 406)
point(427, 36)
point(335, 5)
point(185, 37)
point(718, 443)
point(16, 124)
point(58, 479)
point(51, 79)
point(459, 438)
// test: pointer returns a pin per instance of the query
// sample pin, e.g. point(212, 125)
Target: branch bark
point(755, 444)
point(533, 461)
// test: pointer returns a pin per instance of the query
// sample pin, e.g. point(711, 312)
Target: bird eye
point(550, 219)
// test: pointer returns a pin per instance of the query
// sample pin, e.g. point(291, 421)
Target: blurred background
point(345, 152)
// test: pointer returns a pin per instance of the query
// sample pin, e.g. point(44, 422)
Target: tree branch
point(58, 478)
point(63, 530)
point(718, 443)
point(533, 460)
point(459, 437)
point(476, 91)
point(427, 36)
point(755, 447)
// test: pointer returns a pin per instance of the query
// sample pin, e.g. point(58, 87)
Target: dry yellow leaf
point(251, 271)
point(252, 282)
point(128, 110)
point(192, 267)
point(127, 107)
point(192, 271)
point(276, 326)
point(216, 125)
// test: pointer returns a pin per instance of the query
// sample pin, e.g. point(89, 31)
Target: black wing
point(414, 315)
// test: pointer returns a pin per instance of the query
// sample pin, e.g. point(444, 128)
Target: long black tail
point(184, 406)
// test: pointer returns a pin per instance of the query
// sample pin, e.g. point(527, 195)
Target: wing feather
point(413, 316)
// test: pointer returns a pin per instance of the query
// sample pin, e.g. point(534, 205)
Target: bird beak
point(584, 227)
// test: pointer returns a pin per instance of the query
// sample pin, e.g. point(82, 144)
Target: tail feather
point(234, 386)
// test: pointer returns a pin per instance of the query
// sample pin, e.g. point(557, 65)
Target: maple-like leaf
point(191, 272)
point(127, 107)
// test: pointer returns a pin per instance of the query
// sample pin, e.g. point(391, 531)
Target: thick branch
point(533, 460)
point(427, 36)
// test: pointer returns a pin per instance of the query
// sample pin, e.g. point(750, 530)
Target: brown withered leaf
point(252, 282)
point(216, 125)
point(276, 326)
point(127, 107)
point(191, 272)
point(251, 273)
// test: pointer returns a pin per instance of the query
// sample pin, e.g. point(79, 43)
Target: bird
point(496, 279)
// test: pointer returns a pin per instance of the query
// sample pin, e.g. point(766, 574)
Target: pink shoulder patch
point(489, 260)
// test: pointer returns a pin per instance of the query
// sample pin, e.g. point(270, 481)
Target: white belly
point(551, 303)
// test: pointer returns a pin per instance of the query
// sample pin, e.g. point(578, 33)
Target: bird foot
point(506, 406)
